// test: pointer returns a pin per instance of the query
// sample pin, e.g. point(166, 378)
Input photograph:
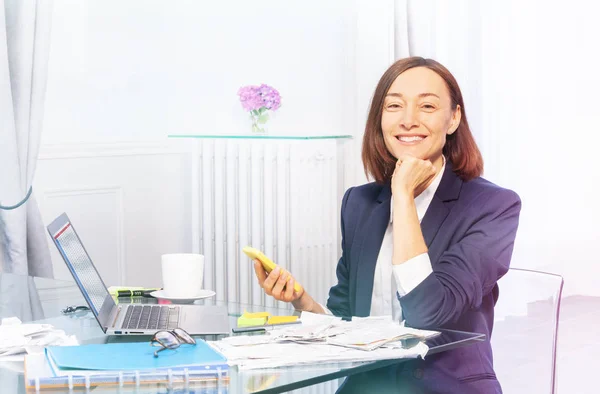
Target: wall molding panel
point(130, 202)
point(115, 192)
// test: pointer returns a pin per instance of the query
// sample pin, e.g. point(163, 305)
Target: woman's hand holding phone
point(279, 283)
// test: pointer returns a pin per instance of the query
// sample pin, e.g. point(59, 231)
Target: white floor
point(523, 361)
point(579, 345)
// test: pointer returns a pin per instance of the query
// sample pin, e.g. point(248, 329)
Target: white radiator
point(278, 196)
point(281, 197)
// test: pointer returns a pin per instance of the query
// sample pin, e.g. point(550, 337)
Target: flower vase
point(259, 118)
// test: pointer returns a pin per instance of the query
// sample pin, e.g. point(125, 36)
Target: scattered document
point(372, 333)
point(322, 339)
point(273, 355)
point(17, 339)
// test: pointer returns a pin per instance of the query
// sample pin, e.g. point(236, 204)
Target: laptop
point(129, 319)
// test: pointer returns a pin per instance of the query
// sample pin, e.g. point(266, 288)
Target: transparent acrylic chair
point(525, 331)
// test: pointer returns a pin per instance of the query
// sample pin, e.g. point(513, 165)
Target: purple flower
point(253, 98)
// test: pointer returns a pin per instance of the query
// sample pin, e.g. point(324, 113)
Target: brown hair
point(460, 148)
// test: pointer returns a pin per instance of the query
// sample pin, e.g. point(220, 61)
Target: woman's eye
point(393, 106)
point(428, 106)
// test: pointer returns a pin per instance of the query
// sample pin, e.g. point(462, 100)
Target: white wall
point(145, 69)
point(128, 202)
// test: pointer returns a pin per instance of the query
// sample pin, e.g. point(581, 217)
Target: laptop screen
point(79, 263)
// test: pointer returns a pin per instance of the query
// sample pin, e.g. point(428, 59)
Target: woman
point(428, 240)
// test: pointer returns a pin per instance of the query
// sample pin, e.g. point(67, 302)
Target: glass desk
point(41, 300)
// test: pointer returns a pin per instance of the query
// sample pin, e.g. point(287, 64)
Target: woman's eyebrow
point(420, 95)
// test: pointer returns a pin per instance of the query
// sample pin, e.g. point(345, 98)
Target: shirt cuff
point(327, 311)
point(411, 273)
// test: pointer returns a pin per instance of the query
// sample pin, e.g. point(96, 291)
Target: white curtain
point(24, 48)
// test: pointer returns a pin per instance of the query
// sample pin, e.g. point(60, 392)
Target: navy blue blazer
point(469, 229)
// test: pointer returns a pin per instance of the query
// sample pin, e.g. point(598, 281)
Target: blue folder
point(135, 356)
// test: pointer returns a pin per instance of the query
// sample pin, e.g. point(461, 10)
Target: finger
point(399, 162)
point(271, 280)
point(260, 272)
point(397, 167)
point(430, 168)
point(407, 157)
point(279, 285)
point(289, 290)
point(298, 294)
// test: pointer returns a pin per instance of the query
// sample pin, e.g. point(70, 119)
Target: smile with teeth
point(411, 138)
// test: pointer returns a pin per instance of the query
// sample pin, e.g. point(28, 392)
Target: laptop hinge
point(114, 316)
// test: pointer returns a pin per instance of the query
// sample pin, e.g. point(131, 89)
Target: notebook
point(134, 356)
point(124, 363)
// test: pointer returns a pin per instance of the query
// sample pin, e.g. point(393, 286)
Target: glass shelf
point(261, 136)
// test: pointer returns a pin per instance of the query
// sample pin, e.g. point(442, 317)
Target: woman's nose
point(409, 119)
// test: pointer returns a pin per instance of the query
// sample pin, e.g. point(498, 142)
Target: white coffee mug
point(182, 274)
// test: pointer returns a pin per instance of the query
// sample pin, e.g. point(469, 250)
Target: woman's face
point(417, 116)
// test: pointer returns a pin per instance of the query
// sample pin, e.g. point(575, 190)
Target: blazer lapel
point(433, 219)
point(373, 231)
point(448, 190)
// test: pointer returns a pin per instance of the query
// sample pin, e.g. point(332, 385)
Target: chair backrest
point(525, 331)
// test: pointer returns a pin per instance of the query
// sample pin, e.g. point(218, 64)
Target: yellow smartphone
point(266, 262)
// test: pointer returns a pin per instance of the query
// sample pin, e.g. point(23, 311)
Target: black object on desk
point(73, 309)
point(135, 293)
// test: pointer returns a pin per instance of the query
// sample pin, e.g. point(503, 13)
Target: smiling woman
point(427, 241)
point(419, 107)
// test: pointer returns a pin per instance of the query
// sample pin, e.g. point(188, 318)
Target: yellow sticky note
point(254, 315)
point(253, 319)
point(249, 322)
point(282, 319)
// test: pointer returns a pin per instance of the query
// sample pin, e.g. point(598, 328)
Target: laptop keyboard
point(151, 317)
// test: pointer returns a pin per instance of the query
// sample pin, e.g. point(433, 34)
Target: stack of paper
point(322, 339)
point(360, 333)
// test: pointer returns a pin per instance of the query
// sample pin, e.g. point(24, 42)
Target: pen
point(262, 328)
point(135, 293)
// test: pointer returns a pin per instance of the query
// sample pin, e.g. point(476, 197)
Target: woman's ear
point(455, 121)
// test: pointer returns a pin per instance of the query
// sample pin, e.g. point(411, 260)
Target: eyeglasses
point(171, 339)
